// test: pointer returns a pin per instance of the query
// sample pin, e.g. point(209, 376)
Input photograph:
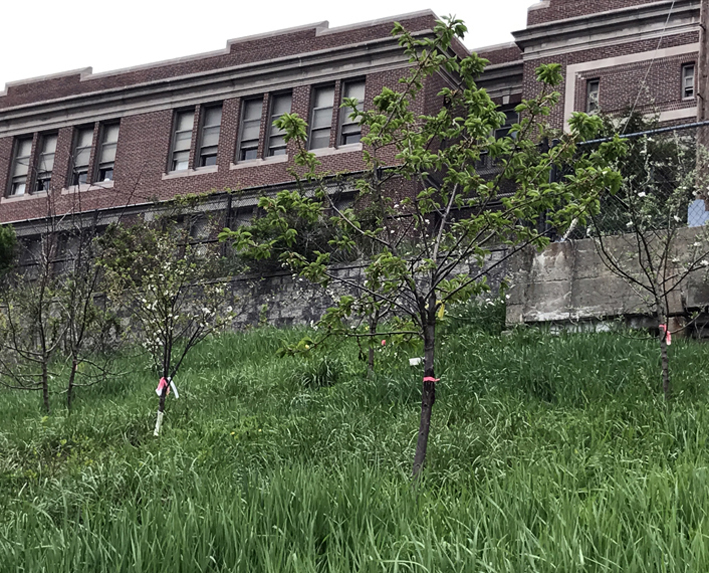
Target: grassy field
point(548, 453)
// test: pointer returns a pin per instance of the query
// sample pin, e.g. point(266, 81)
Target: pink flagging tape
point(431, 379)
point(161, 387)
point(666, 333)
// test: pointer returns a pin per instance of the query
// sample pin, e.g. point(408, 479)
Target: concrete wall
point(569, 282)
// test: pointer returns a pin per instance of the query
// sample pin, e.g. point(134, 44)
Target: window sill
point(258, 162)
point(23, 197)
point(325, 151)
point(190, 172)
point(87, 187)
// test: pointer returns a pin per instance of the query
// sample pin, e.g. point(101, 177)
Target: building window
point(250, 129)
point(182, 140)
point(593, 96)
point(82, 153)
point(511, 117)
point(280, 104)
point(688, 81)
point(321, 117)
point(45, 162)
point(107, 152)
point(209, 138)
point(350, 129)
point(20, 166)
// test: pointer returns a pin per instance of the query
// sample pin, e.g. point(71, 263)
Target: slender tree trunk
point(163, 395)
point(372, 331)
point(665, 365)
point(373, 323)
point(428, 397)
point(664, 358)
point(70, 388)
point(161, 404)
point(45, 386)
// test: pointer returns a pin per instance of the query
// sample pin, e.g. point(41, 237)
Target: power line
point(654, 57)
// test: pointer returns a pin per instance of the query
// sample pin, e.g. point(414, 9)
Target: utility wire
point(647, 73)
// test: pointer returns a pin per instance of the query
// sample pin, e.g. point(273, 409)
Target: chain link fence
point(665, 184)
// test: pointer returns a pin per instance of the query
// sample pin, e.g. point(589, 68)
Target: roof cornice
point(618, 26)
point(207, 86)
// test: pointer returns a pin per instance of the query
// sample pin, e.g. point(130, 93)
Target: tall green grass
point(547, 453)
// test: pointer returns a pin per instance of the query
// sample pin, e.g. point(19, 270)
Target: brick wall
point(141, 170)
point(500, 54)
point(563, 9)
point(621, 84)
point(239, 52)
point(144, 148)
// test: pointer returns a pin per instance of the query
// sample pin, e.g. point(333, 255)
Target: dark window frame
point(683, 86)
point(244, 152)
point(207, 155)
point(313, 112)
point(275, 134)
point(347, 128)
point(43, 177)
point(173, 161)
point(80, 172)
point(593, 96)
point(105, 169)
point(21, 179)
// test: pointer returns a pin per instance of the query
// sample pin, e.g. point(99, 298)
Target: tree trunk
point(664, 358)
point(45, 386)
point(161, 410)
point(665, 365)
point(428, 397)
point(373, 323)
point(70, 388)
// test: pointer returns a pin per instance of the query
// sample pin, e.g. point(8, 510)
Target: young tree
point(642, 234)
point(51, 312)
point(419, 244)
point(92, 336)
point(168, 284)
point(52, 308)
point(32, 326)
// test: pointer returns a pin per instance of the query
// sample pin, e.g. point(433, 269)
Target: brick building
point(98, 142)
point(616, 55)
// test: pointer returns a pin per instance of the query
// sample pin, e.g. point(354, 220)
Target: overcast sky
point(50, 36)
